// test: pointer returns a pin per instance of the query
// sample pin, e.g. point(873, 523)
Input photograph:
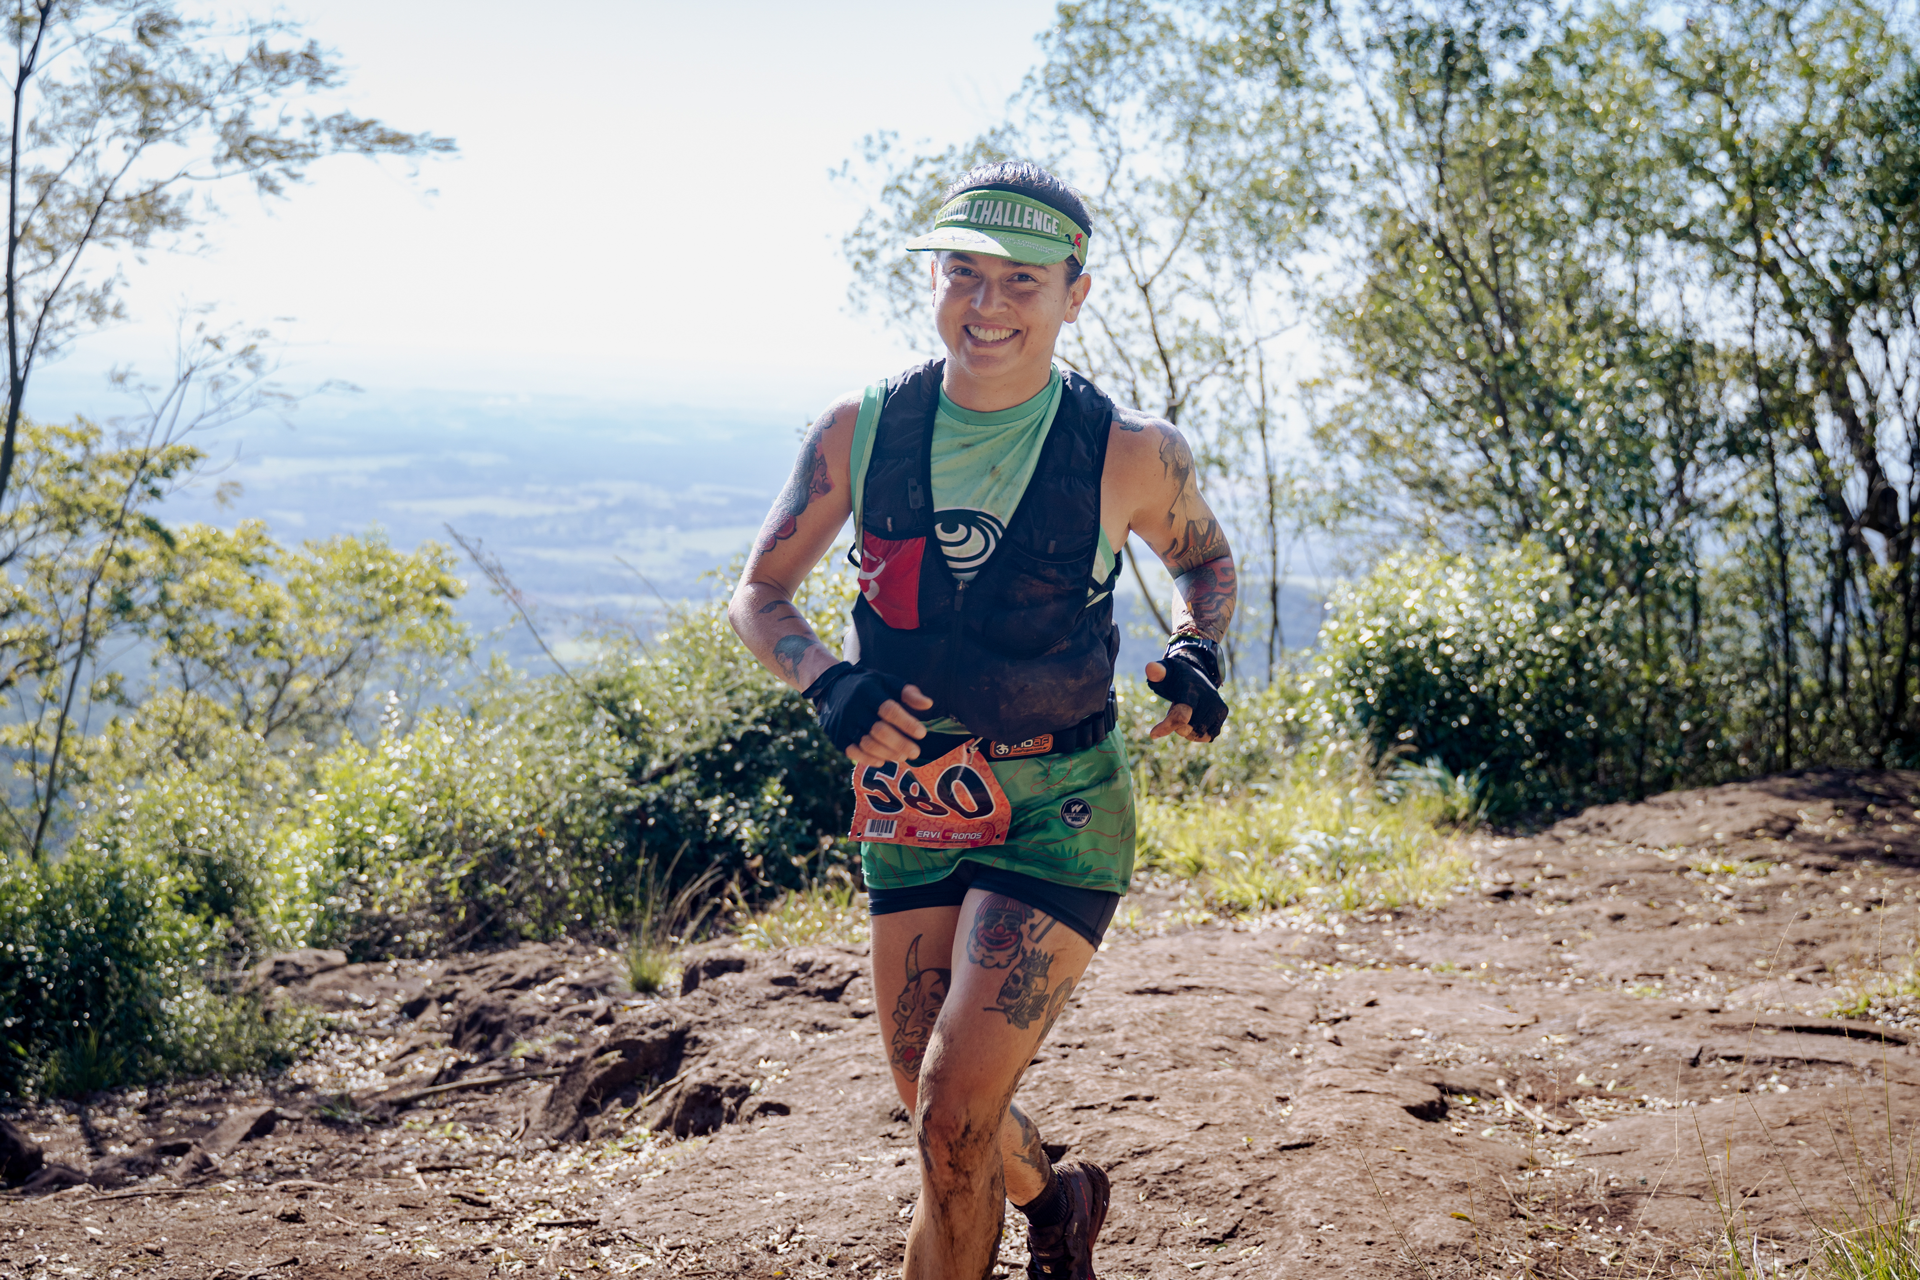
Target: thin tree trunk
point(1276, 640)
point(1786, 660)
point(1785, 652)
point(16, 378)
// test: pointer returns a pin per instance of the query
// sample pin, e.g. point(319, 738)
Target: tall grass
point(830, 909)
point(1346, 842)
point(662, 919)
point(1287, 809)
point(1877, 1237)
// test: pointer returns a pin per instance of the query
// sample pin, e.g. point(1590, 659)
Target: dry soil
point(1611, 1046)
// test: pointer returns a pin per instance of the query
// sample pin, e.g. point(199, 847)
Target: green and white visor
point(1004, 224)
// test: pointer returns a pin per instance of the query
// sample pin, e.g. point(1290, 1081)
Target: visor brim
point(1034, 250)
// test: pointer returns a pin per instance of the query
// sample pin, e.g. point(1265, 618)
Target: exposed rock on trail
point(1624, 1018)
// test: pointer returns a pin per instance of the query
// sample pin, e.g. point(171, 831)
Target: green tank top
point(1073, 819)
point(982, 463)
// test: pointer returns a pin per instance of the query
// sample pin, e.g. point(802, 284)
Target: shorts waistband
point(1088, 912)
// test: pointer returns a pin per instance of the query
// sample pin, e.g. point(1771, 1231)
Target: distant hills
point(562, 491)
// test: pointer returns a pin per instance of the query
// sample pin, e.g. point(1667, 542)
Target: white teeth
point(984, 334)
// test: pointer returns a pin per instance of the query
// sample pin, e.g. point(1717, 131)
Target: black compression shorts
point(1087, 912)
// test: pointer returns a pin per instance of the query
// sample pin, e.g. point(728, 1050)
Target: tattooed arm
point(1150, 476)
point(805, 518)
point(800, 529)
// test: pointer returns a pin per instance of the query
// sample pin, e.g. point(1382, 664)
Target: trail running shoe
point(1065, 1251)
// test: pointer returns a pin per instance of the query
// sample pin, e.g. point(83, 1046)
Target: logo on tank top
point(1076, 812)
point(966, 537)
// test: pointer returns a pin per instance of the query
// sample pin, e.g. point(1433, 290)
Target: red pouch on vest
point(954, 802)
point(890, 579)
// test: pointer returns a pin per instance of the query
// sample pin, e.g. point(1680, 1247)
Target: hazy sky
point(640, 209)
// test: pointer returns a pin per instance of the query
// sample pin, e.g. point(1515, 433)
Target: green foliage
point(1491, 664)
point(620, 797)
point(155, 855)
point(282, 644)
point(77, 547)
point(1880, 1240)
point(140, 827)
point(1288, 808)
point(467, 830)
point(104, 979)
point(825, 910)
point(648, 965)
point(1644, 294)
point(1320, 831)
point(730, 771)
point(662, 919)
point(215, 823)
point(1473, 663)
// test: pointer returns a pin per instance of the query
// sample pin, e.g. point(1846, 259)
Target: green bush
point(731, 771)
point(104, 979)
point(216, 825)
point(576, 801)
point(467, 830)
point(1476, 663)
point(1489, 664)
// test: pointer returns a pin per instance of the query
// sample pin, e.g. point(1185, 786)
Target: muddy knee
point(958, 1141)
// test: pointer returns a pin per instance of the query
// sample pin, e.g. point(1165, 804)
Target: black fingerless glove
point(847, 699)
point(1193, 678)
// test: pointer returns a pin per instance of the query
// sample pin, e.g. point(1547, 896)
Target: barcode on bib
point(881, 828)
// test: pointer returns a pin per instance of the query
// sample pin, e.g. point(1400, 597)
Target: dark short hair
point(1023, 177)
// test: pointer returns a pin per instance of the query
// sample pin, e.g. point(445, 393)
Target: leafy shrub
point(104, 979)
point(467, 830)
point(217, 824)
point(730, 769)
point(580, 801)
point(1491, 664)
point(1474, 664)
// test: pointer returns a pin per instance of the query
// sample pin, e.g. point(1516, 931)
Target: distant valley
point(561, 491)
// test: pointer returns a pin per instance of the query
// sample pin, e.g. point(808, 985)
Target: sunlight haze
point(640, 207)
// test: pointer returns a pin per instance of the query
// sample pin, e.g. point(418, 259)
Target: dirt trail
point(1564, 1067)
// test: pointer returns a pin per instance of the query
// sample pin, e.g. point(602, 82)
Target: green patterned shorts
point(1072, 825)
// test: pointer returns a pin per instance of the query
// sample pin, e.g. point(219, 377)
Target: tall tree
point(1640, 285)
point(1794, 144)
point(120, 114)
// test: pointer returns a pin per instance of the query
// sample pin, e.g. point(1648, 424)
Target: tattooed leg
point(910, 993)
point(914, 1012)
point(1007, 935)
point(1013, 971)
point(1025, 1157)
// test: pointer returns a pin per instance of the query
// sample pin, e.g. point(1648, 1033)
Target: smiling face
point(999, 320)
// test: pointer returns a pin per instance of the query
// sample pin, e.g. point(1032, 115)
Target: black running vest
point(1018, 651)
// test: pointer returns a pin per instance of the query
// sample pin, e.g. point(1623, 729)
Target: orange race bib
point(953, 802)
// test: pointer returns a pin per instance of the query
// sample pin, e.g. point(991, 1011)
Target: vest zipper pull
point(916, 496)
